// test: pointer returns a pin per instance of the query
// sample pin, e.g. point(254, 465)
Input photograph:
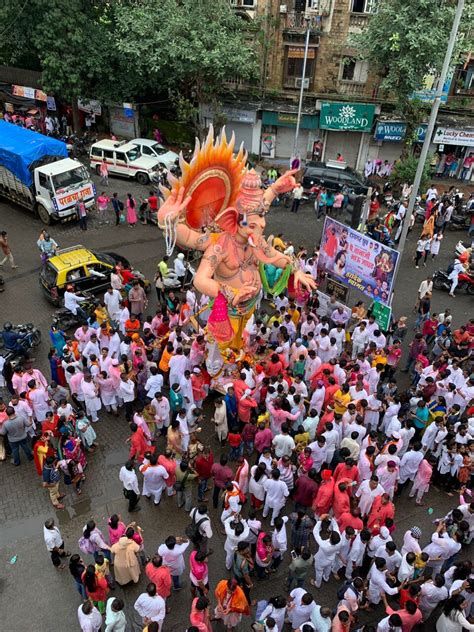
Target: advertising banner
point(357, 260)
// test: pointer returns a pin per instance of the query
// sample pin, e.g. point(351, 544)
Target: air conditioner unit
point(305, 83)
point(283, 8)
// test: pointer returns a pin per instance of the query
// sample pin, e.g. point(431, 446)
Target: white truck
point(36, 172)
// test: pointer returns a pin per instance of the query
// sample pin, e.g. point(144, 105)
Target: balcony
point(351, 88)
point(358, 21)
point(463, 81)
point(298, 22)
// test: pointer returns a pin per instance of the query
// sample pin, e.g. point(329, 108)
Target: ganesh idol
point(219, 208)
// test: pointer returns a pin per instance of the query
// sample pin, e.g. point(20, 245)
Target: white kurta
point(366, 496)
point(154, 477)
point(409, 465)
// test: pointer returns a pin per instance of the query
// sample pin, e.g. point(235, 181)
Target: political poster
point(357, 260)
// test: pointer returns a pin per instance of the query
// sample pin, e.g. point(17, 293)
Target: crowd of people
point(316, 440)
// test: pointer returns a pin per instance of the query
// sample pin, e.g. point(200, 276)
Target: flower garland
point(280, 285)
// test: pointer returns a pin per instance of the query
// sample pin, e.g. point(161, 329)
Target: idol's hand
point(174, 206)
point(286, 182)
point(305, 280)
point(245, 292)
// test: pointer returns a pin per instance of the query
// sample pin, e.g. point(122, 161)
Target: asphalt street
point(51, 600)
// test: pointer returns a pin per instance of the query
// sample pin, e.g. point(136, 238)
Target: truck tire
point(142, 178)
point(43, 214)
point(97, 170)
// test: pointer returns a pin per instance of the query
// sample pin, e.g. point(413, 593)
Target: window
point(146, 151)
point(249, 3)
point(294, 64)
point(353, 70)
point(97, 152)
point(109, 154)
point(364, 6)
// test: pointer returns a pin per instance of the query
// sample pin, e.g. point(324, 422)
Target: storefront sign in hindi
point(451, 136)
point(394, 131)
point(355, 117)
point(357, 260)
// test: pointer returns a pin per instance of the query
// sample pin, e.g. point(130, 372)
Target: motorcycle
point(31, 339)
point(441, 281)
point(64, 319)
point(459, 222)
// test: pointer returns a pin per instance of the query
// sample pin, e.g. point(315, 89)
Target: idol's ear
point(227, 220)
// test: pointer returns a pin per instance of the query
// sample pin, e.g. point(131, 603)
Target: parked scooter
point(459, 221)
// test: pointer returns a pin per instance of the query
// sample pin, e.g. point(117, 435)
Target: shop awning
point(289, 119)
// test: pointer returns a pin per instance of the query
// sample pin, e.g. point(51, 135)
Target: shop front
point(347, 128)
point(455, 150)
point(386, 143)
point(278, 134)
point(243, 122)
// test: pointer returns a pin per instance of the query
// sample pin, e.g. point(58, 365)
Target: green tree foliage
point(118, 50)
point(404, 171)
point(406, 40)
point(188, 46)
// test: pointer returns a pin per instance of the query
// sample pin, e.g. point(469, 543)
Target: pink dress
point(131, 213)
point(116, 534)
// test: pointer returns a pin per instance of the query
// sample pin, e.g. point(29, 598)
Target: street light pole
point(429, 131)
point(300, 105)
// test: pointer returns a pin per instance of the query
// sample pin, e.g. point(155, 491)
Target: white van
point(151, 148)
point(124, 159)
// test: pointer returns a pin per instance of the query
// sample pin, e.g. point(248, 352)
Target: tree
point(406, 41)
point(72, 44)
point(189, 47)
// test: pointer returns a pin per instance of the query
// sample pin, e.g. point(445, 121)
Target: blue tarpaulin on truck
point(20, 147)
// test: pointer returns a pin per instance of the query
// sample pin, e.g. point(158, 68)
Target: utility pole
point(303, 77)
point(429, 131)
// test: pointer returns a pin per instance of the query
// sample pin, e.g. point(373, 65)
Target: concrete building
point(342, 110)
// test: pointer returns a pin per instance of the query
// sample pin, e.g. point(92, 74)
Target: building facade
point(342, 110)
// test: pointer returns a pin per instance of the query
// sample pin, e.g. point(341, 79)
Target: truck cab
point(123, 158)
point(58, 186)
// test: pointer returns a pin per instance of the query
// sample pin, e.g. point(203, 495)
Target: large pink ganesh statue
point(219, 207)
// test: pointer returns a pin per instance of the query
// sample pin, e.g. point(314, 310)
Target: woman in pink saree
point(199, 616)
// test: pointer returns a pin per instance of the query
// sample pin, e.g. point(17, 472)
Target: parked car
point(333, 175)
point(87, 270)
point(152, 149)
point(123, 159)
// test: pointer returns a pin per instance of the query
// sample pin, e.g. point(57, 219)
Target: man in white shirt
point(154, 383)
point(131, 491)
point(150, 606)
point(162, 408)
point(72, 302)
point(277, 493)
point(127, 394)
point(360, 339)
point(300, 607)
point(431, 193)
point(112, 299)
point(89, 617)
point(54, 543)
point(154, 477)
point(426, 287)
point(282, 443)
